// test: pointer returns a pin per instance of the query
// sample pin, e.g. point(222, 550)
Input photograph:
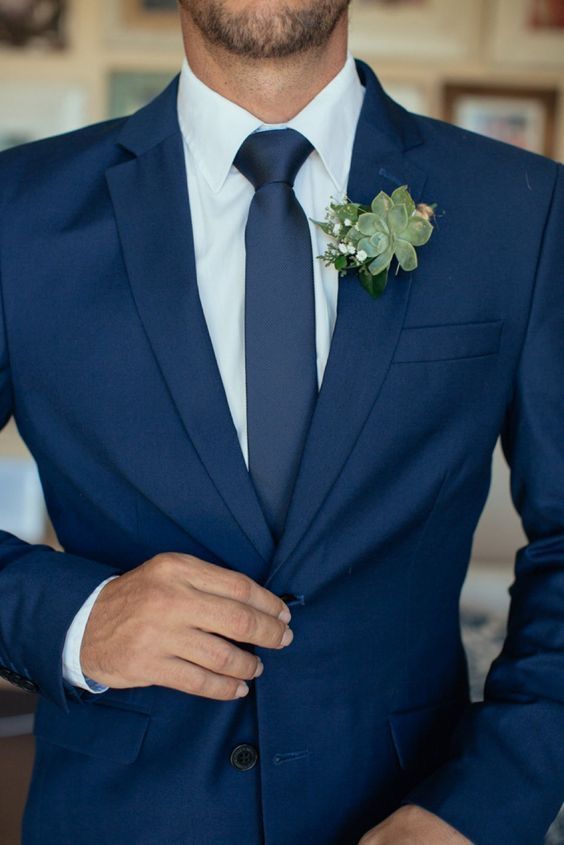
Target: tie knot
point(274, 155)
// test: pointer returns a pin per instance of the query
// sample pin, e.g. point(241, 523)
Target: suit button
point(243, 757)
point(18, 680)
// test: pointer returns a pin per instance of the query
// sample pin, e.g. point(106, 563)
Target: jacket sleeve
point(504, 778)
point(40, 592)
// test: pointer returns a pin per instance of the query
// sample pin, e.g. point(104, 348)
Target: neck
point(274, 90)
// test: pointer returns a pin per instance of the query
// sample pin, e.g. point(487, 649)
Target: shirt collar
point(214, 127)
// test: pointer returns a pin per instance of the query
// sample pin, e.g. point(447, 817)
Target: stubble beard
point(276, 30)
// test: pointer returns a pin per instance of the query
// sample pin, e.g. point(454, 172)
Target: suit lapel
point(153, 214)
point(151, 205)
point(366, 330)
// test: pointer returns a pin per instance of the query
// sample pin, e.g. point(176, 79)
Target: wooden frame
point(129, 90)
point(136, 15)
point(515, 105)
point(426, 29)
point(518, 39)
point(33, 110)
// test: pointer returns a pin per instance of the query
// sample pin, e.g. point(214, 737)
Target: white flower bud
point(343, 248)
point(348, 222)
point(351, 249)
point(361, 255)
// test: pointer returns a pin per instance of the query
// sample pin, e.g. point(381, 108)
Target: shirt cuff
point(72, 671)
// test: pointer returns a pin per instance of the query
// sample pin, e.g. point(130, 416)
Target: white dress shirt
point(213, 129)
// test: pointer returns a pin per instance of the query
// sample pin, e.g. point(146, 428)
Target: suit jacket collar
point(153, 216)
point(159, 119)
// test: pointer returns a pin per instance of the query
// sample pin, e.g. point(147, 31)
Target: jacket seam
point(5, 326)
point(534, 287)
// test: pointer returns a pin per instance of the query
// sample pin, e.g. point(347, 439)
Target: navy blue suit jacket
point(107, 366)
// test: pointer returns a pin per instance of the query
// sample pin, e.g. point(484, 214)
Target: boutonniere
point(368, 237)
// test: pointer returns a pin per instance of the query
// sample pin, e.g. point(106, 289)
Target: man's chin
point(263, 29)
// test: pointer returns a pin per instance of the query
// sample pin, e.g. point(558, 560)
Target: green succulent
point(392, 226)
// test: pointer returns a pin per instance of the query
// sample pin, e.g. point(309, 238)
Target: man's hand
point(412, 825)
point(166, 622)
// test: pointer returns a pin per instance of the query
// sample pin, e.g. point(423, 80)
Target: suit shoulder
point(486, 159)
point(39, 161)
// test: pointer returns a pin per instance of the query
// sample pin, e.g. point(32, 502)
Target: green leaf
point(381, 204)
point(324, 225)
point(406, 255)
point(418, 230)
point(398, 219)
point(351, 212)
point(341, 262)
point(402, 196)
point(381, 262)
point(375, 285)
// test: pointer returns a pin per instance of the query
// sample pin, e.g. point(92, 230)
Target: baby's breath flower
point(361, 255)
point(343, 248)
point(348, 222)
point(351, 249)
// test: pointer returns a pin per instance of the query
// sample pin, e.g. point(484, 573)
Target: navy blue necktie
point(280, 350)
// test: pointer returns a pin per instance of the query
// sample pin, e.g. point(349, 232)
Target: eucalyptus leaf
point(406, 255)
point(402, 196)
point(324, 225)
point(381, 204)
point(398, 218)
point(418, 230)
point(351, 212)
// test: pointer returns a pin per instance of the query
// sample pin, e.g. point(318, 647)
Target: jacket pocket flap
point(447, 341)
point(98, 728)
point(421, 735)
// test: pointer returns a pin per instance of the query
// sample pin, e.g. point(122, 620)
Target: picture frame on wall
point(523, 116)
point(142, 24)
point(33, 23)
point(151, 13)
point(29, 112)
point(411, 96)
point(529, 32)
point(414, 28)
point(129, 90)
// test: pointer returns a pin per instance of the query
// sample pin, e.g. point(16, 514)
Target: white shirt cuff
point(72, 671)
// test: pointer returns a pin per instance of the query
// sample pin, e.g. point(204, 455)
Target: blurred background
point(492, 66)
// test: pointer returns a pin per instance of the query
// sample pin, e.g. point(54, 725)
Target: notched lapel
point(366, 329)
point(151, 205)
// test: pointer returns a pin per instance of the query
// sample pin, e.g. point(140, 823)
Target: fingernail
point(285, 615)
point(288, 636)
point(242, 690)
point(259, 669)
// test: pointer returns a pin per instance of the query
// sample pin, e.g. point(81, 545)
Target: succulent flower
point(369, 237)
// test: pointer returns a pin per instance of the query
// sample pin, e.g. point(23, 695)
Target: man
point(167, 325)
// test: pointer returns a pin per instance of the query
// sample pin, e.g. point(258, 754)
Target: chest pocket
point(448, 341)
